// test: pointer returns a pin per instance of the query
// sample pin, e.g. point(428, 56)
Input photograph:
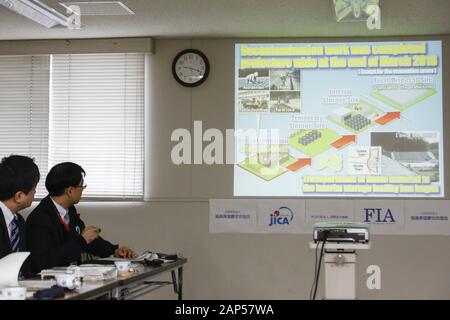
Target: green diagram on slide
point(403, 99)
point(313, 142)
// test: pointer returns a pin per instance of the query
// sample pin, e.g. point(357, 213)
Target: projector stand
point(339, 260)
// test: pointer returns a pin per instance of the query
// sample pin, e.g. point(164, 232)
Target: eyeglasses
point(82, 186)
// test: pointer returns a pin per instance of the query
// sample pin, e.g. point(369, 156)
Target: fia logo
point(377, 215)
point(282, 216)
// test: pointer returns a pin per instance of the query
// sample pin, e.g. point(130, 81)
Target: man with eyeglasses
point(56, 235)
point(19, 176)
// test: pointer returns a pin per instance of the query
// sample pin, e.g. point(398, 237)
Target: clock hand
point(192, 69)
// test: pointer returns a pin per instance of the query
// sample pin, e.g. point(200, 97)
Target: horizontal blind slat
point(97, 120)
point(24, 107)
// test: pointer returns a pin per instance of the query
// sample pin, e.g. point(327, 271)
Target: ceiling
point(237, 18)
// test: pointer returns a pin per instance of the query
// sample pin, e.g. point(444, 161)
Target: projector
point(349, 232)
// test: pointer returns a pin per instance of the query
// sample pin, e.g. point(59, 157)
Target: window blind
point(24, 105)
point(97, 120)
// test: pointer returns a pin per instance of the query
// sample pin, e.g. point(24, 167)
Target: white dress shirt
point(62, 211)
point(9, 216)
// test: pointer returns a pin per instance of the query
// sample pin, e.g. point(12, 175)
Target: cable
point(317, 266)
point(315, 272)
point(318, 271)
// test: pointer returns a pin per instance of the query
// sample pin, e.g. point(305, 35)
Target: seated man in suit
point(56, 236)
point(19, 176)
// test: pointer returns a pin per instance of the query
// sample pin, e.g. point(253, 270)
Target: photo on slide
point(284, 101)
point(253, 79)
point(416, 152)
point(253, 101)
point(285, 79)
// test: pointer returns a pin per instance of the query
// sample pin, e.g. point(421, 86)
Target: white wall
point(243, 266)
point(266, 266)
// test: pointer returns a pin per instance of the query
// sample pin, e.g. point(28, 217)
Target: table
point(132, 285)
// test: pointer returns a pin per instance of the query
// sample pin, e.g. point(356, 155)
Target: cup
point(13, 293)
point(123, 266)
point(68, 281)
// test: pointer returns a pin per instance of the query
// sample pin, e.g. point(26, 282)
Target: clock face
point(190, 67)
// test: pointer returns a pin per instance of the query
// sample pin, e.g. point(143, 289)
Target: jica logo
point(281, 216)
point(378, 215)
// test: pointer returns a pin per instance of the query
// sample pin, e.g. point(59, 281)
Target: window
point(92, 113)
point(24, 104)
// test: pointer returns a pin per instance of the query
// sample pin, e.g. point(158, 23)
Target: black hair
point(62, 176)
point(17, 173)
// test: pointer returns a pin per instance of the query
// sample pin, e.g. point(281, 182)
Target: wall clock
point(190, 67)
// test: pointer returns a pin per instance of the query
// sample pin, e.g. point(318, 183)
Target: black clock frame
point(194, 84)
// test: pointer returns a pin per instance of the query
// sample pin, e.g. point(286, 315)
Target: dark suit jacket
point(51, 245)
point(5, 243)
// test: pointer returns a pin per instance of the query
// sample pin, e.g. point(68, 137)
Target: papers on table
point(88, 272)
point(148, 255)
point(37, 284)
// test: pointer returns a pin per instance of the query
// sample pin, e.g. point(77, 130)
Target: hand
point(192, 69)
point(90, 233)
point(124, 252)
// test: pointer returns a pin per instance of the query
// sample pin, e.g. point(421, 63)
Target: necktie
point(15, 237)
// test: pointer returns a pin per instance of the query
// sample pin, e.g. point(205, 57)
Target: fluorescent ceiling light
point(37, 11)
point(99, 8)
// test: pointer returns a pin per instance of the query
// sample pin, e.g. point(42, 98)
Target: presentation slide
point(356, 119)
